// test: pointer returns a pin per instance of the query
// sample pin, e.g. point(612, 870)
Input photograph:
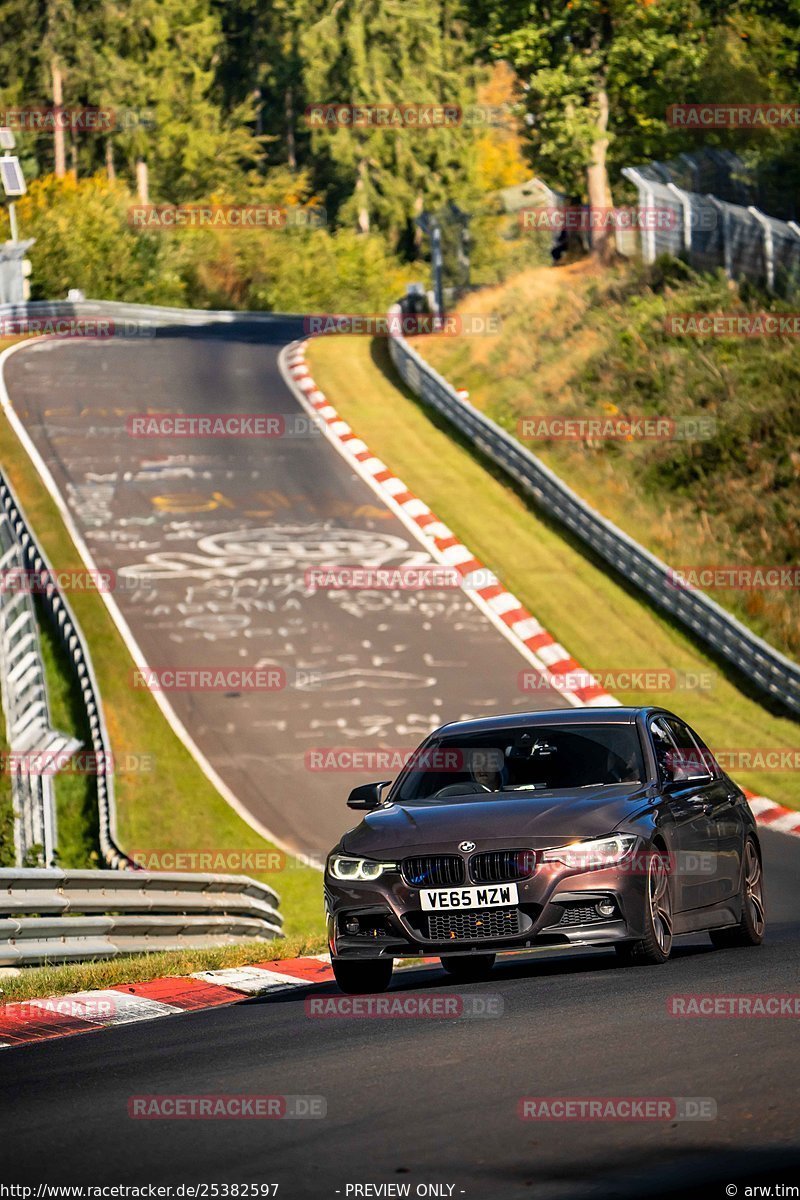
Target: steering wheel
point(462, 789)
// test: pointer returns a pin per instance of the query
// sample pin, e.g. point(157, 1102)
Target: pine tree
point(390, 52)
point(154, 64)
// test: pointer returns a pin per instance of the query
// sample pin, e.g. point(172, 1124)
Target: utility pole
point(12, 179)
point(430, 226)
point(14, 267)
point(464, 240)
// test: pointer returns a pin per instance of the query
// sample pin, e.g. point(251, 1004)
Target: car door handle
point(706, 809)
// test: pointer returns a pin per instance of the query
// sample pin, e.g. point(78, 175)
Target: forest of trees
point(212, 95)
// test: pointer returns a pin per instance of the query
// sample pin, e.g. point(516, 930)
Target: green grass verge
point(75, 794)
point(7, 855)
point(603, 625)
point(35, 982)
point(172, 807)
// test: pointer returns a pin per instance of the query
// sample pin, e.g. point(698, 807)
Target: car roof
point(557, 716)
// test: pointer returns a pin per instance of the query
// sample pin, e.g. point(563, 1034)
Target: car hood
point(536, 820)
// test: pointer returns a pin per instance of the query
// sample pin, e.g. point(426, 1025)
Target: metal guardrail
point(710, 233)
point(30, 737)
point(56, 916)
point(58, 610)
point(137, 315)
point(771, 672)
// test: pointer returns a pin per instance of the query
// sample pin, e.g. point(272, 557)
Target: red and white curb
point(774, 816)
point(519, 626)
point(28, 1021)
point(126, 1003)
point(503, 608)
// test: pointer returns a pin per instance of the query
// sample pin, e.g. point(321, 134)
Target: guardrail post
point(769, 246)
point(648, 234)
point(727, 250)
point(685, 201)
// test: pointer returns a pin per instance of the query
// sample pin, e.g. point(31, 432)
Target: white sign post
point(11, 177)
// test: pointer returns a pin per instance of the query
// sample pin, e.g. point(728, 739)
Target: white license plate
point(492, 895)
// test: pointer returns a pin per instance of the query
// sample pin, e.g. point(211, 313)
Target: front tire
point(750, 930)
point(656, 945)
point(358, 977)
point(468, 969)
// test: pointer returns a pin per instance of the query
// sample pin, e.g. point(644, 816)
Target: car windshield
point(523, 759)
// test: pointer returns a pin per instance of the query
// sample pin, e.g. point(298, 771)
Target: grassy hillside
point(578, 343)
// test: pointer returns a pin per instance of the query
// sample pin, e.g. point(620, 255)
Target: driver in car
point(487, 771)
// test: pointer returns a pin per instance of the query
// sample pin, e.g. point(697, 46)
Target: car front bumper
point(556, 907)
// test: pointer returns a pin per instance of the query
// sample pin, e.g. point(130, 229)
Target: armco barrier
point(29, 734)
point(776, 676)
point(58, 610)
point(52, 915)
point(714, 224)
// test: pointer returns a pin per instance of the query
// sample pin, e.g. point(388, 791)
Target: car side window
point(692, 762)
point(665, 748)
point(712, 767)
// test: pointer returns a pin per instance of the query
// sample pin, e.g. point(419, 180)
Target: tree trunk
point(291, 150)
point(142, 184)
point(598, 188)
point(111, 172)
point(361, 197)
point(58, 133)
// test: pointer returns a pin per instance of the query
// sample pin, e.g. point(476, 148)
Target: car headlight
point(591, 856)
point(357, 870)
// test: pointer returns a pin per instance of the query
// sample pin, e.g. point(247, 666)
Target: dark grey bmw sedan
point(584, 827)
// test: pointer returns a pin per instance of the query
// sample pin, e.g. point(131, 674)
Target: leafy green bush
point(84, 240)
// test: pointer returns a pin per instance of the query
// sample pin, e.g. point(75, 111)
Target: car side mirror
point(368, 795)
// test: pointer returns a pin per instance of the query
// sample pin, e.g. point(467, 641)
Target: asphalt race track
point(210, 538)
point(434, 1100)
